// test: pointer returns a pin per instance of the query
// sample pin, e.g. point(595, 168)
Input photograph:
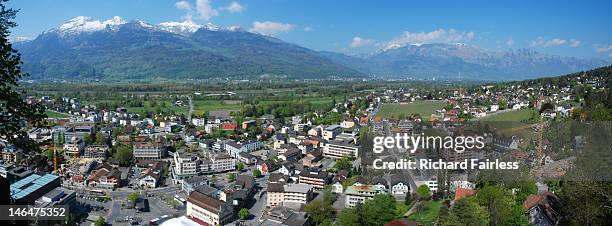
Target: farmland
point(423, 108)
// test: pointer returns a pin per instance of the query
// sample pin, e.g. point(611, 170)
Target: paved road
point(260, 202)
point(190, 109)
point(396, 154)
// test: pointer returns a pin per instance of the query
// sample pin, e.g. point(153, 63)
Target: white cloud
point(270, 28)
point(541, 42)
point(20, 39)
point(360, 42)
point(307, 29)
point(603, 48)
point(184, 5)
point(205, 10)
point(510, 42)
point(234, 7)
point(436, 36)
point(574, 43)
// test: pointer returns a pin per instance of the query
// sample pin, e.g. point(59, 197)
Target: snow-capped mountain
point(86, 48)
point(186, 26)
point(87, 24)
point(115, 48)
point(82, 24)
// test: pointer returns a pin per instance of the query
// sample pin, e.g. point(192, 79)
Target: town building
point(318, 179)
point(96, 151)
point(356, 194)
point(29, 189)
point(288, 194)
point(330, 132)
point(74, 147)
point(207, 210)
point(340, 148)
point(147, 151)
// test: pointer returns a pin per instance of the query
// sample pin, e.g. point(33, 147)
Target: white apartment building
point(360, 193)
point(340, 148)
point(330, 132)
point(281, 194)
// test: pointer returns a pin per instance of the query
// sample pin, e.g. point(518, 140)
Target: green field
point(201, 106)
point(511, 123)
point(428, 213)
point(510, 116)
point(53, 114)
point(423, 108)
point(168, 107)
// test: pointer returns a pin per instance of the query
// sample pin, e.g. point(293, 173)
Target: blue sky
point(568, 28)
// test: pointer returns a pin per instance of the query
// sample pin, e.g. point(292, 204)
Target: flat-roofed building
point(27, 190)
point(318, 179)
point(147, 151)
point(79, 131)
point(284, 194)
point(330, 132)
point(340, 148)
point(222, 163)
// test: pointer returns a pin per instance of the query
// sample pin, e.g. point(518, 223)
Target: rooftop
point(30, 184)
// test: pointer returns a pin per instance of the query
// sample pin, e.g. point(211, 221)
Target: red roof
point(364, 120)
point(463, 192)
point(531, 201)
point(229, 126)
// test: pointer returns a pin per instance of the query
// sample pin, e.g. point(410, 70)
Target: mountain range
point(84, 48)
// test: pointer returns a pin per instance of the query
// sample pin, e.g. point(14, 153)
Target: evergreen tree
point(14, 110)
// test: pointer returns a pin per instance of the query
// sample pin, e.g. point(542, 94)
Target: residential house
point(399, 184)
point(543, 209)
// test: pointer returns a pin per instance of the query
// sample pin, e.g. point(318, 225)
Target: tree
point(328, 195)
point(133, 197)
point(408, 199)
point(256, 173)
point(231, 177)
point(14, 110)
point(87, 139)
point(470, 212)
point(244, 213)
point(240, 166)
point(50, 154)
point(124, 155)
point(344, 164)
point(446, 217)
point(423, 192)
point(100, 221)
point(350, 216)
point(498, 201)
point(379, 209)
point(100, 139)
point(319, 210)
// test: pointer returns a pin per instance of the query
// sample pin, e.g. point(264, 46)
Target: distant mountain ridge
point(84, 48)
point(463, 61)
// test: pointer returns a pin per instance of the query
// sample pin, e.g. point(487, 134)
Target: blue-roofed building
point(27, 190)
